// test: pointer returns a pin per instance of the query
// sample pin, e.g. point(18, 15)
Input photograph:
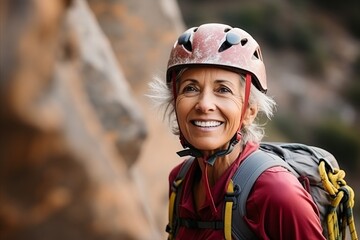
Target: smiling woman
point(215, 89)
point(208, 106)
point(164, 98)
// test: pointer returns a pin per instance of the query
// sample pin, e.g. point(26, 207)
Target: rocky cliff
point(74, 124)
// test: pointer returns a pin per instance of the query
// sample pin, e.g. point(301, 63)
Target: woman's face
point(209, 106)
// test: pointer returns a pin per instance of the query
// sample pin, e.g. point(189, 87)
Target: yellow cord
point(342, 203)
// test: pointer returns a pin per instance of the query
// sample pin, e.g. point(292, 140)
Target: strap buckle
point(232, 196)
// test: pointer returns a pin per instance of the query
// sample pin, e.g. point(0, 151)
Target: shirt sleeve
point(278, 207)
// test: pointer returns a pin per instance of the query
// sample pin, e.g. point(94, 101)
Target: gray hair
point(163, 99)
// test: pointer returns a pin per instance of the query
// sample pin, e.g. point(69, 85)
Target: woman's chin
point(208, 148)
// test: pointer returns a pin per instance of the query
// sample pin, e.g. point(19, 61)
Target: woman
point(215, 89)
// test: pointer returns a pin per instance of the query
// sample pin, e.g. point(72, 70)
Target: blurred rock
point(141, 33)
point(61, 174)
point(107, 89)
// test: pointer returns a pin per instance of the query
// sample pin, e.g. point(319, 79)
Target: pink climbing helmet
point(220, 45)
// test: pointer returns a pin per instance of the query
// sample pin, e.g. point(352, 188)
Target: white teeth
point(207, 123)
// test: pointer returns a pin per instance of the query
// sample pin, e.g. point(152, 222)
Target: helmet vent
point(230, 40)
point(224, 46)
point(185, 40)
point(257, 55)
point(243, 41)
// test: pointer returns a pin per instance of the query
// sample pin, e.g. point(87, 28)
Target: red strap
point(246, 99)
point(173, 82)
point(208, 191)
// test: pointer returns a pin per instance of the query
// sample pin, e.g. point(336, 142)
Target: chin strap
point(191, 151)
point(235, 140)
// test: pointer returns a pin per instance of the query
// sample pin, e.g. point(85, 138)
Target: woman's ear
point(250, 114)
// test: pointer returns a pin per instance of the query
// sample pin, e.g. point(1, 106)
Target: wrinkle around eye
point(189, 89)
point(186, 84)
point(225, 90)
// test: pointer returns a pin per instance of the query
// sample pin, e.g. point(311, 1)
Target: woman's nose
point(205, 102)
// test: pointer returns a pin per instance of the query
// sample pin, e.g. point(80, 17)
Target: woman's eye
point(224, 90)
point(188, 89)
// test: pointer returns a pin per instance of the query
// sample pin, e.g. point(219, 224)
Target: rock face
point(105, 85)
point(141, 33)
point(71, 126)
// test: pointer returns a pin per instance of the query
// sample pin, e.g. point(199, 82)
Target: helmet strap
point(173, 81)
point(188, 150)
point(246, 98)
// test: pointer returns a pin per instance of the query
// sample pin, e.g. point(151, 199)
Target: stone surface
point(106, 87)
point(62, 175)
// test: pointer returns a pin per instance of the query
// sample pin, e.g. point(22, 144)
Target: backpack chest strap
point(190, 223)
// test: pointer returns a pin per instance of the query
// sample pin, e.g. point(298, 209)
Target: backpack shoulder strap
point(184, 168)
point(174, 200)
point(244, 178)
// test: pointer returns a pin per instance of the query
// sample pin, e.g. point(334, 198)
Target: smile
point(207, 124)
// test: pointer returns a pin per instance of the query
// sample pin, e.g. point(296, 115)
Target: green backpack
point(316, 169)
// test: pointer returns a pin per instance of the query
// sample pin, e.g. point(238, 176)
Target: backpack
point(316, 169)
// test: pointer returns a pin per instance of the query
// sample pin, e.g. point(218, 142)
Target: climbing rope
point(342, 203)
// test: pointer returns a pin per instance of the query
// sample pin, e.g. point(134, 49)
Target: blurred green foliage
point(352, 91)
point(346, 12)
point(340, 139)
point(282, 25)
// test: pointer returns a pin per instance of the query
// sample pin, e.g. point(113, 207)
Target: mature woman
point(215, 90)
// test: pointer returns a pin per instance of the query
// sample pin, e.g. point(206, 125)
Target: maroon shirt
point(278, 207)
